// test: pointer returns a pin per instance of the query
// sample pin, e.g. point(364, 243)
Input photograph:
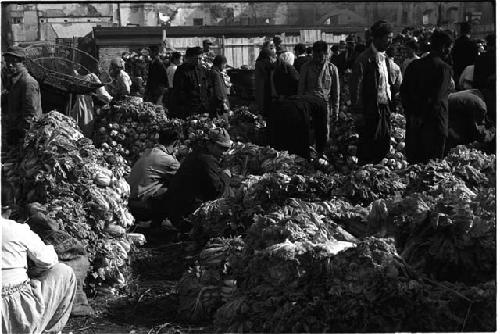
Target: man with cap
point(301, 56)
point(424, 94)
point(190, 92)
point(320, 78)
point(371, 95)
point(464, 52)
point(120, 84)
point(200, 178)
point(24, 100)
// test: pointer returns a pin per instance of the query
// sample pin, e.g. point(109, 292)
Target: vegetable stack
point(80, 190)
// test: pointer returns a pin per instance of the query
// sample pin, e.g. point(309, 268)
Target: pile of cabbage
point(78, 192)
point(371, 249)
point(130, 127)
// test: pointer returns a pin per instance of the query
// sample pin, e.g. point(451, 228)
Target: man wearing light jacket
point(152, 173)
point(320, 78)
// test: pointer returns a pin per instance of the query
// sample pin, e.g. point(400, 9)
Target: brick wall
point(108, 53)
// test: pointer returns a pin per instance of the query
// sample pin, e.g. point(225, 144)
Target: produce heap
point(77, 193)
point(130, 126)
point(386, 248)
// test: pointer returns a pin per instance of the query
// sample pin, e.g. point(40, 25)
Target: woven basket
point(56, 66)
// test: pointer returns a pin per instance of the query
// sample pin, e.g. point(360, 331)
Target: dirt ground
point(149, 303)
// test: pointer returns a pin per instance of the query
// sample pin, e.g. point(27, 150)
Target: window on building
point(197, 22)
point(17, 20)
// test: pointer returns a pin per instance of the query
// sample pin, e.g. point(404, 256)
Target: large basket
point(64, 68)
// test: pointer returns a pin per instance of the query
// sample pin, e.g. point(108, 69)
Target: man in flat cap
point(199, 179)
point(24, 99)
point(190, 92)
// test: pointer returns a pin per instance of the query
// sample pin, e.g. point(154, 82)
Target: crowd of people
point(447, 90)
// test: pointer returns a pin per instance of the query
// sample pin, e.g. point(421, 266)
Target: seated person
point(199, 179)
point(41, 301)
point(151, 174)
point(292, 121)
point(466, 114)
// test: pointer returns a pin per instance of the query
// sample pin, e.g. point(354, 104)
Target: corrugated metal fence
point(244, 51)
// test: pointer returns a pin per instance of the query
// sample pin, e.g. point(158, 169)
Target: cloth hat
point(15, 51)
point(196, 51)
point(221, 137)
point(207, 41)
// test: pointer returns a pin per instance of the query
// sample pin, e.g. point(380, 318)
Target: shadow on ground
point(149, 304)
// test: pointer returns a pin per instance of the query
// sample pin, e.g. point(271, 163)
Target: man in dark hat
point(424, 94)
point(371, 95)
point(301, 56)
point(199, 179)
point(464, 52)
point(190, 92)
point(24, 101)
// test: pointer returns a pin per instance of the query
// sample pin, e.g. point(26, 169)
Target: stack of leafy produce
point(342, 152)
point(80, 190)
point(130, 127)
point(246, 127)
point(371, 182)
point(256, 195)
point(210, 282)
point(349, 287)
point(474, 167)
point(451, 235)
point(245, 159)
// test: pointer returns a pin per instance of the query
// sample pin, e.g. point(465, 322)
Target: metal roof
point(149, 35)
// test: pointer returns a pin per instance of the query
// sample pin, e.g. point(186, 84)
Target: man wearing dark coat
point(371, 90)
point(191, 92)
point(23, 99)
point(464, 52)
point(424, 93)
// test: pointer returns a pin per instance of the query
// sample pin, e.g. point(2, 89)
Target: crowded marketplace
point(257, 167)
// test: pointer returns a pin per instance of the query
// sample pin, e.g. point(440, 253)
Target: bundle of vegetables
point(396, 159)
point(371, 182)
point(257, 194)
point(130, 127)
point(451, 236)
point(476, 168)
point(243, 159)
point(246, 127)
point(363, 287)
point(342, 152)
point(196, 128)
point(81, 189)
point(210, 282)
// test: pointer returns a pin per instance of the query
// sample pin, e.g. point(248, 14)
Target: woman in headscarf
point(285, 76)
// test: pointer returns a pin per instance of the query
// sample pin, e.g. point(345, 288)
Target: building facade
point(43, 21)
